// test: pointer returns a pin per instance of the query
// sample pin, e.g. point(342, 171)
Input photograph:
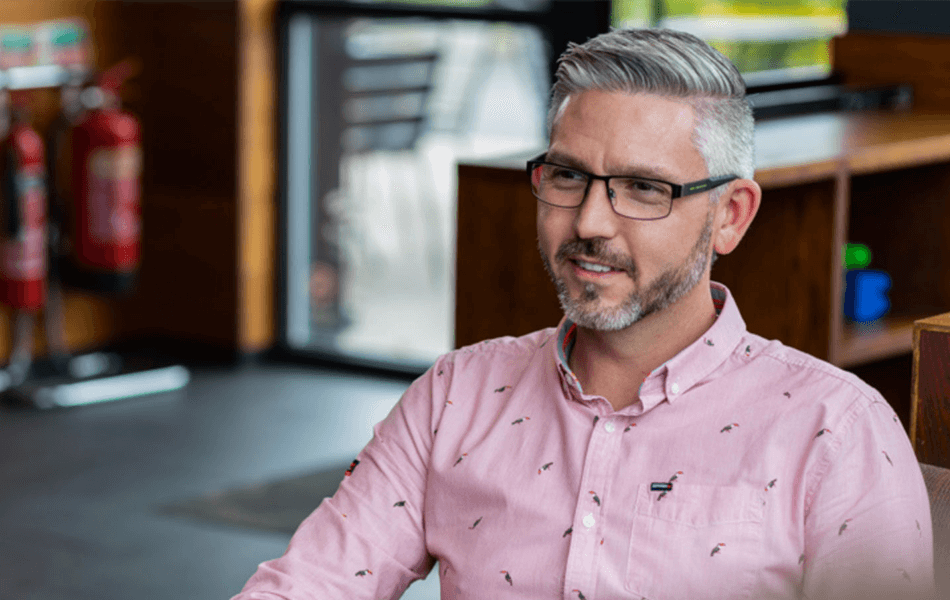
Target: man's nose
point(596, 216)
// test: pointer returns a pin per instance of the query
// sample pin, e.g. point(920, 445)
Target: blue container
point(865, 294)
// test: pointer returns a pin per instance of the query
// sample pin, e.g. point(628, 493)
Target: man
point(649, 446)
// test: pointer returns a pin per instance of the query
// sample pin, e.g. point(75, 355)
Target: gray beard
point(668, 288)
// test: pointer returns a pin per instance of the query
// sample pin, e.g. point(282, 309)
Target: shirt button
point(675, 388)
point(609, 427)
point(589, 521)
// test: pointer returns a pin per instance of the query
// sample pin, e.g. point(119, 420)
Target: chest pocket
point(695, 542)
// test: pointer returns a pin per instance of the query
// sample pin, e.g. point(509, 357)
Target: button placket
point(583, 555)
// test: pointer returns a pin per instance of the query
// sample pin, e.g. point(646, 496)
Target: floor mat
point(278, 505)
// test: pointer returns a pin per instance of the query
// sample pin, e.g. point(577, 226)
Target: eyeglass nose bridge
point(611, 194)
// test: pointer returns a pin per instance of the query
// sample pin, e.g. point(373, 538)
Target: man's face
point(611, 271)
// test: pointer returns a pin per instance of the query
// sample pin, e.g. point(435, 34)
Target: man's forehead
point(611, 120)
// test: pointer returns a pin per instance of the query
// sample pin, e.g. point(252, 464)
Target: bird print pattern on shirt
point(524, 421)
point(844, 526)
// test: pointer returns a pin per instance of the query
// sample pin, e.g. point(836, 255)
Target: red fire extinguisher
point(23, 236)
point(105, 226)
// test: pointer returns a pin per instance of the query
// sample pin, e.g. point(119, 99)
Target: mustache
point(595, 249)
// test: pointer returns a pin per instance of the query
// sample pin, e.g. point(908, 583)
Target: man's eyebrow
point(643, 171)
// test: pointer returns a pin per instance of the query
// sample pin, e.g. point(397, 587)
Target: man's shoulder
point(505, 348)
point(818, 378)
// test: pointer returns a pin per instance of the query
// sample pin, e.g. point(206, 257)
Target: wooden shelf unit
point(879, 178)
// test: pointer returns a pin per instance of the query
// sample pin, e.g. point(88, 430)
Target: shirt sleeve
point(868, 531)
point(367, 541)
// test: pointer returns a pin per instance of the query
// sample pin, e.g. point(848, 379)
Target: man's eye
point(567, 175)
point(641, 186)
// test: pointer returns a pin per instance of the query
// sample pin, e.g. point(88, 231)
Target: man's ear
point(734, 213)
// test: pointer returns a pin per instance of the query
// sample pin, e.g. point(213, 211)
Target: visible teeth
point(593, 267)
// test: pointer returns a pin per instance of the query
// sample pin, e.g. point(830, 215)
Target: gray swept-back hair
point(673, 64)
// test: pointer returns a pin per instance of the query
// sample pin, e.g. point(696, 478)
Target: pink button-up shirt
point(747, 469)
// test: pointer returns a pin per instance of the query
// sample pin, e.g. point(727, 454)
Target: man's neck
point(613, 364)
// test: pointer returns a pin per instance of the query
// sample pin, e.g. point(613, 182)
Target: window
point(758, 36)
point(378, 110)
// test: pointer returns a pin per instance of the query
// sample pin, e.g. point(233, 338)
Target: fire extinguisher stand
point(95, 377)
point(23, 257)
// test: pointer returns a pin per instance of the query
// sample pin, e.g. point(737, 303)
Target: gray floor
point(79, 488)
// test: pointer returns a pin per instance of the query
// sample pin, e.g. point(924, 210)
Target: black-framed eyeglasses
point(631, 197)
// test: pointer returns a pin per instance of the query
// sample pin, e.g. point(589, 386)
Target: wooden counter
point(882, 179)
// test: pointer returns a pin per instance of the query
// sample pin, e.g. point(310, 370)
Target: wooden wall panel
point(187, 99)
point(880, 212)
point(882, 58)
point(779, 273)
point(501, 287)
point(930, 397)
point(257, 175)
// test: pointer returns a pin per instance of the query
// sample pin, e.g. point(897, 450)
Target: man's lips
point(594, 266)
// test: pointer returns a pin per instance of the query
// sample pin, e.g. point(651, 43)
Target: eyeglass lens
point(631, 196)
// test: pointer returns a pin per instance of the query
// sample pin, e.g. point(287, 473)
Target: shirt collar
point(678, 375)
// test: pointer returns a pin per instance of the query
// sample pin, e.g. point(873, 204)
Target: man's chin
point(600, 318)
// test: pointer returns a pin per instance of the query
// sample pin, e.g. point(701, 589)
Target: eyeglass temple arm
point(696, 187)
